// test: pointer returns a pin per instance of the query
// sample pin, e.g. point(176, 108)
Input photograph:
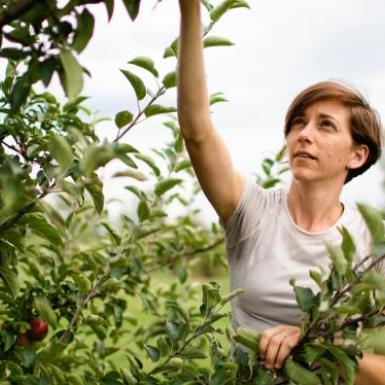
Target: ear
point(359, 155)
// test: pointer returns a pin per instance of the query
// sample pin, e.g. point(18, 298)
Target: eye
point(297, 121)
point(328, 123)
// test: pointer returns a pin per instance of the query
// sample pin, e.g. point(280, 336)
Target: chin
point(302, 175)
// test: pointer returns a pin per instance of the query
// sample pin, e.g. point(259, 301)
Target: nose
point(306, 132)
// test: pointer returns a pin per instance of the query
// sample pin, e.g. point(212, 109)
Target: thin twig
point(160, 92)
point(91, 294)
point(192, 253)
point(356, 280)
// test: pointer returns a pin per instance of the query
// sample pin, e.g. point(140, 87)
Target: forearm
point(193, 101)
point(371, 370)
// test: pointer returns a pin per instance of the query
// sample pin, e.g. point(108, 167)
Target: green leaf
point(131, 174)
point(156, 109)
point(27, 357)
point(217, 98)
point(113, 234)
point(248, 338)
point(45, 311)
point(41, 227)
point(269, 183)
point(143, 210)
point(47, 68)
point(173, 330)
point(82, 282)
point(72, 74)
point(122, 118)
point(374, 279)
point(299, 374)
point(149, 161)
point(10, 280)
point(316, 276)
point(169, 81)
point(192, 353)
point(348, 365)
point(132, 7)
point(216, 41)
point(182, 165)
point(137, 84)
point(163, 346)
point(95, 188)
point(84, 31)
point(329, 371)
point(20, 92)
point(61, 151)
point(304, 297)
point(338, 258)
point(348, 246)
point(153, 352)
point(221, 9)
point(109, 7)
point(312, 353)
point(20, 35)
point(264, 376)
point(14, 53)
point(134, 190)
point(94, 157)
point(373, 220)
point(145, 63)
point(166, 185)
point(373, 340)
point(8, 339)
point(74, 379)
point(172, 50)
point(169, 52)
point(73, 105)
point(230, 296)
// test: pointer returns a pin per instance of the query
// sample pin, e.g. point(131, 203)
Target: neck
point(314, 207)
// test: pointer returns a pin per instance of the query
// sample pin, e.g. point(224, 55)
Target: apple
point(23, 340)
point(38, 329)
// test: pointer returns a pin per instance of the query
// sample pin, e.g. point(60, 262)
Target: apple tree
point(85, 299)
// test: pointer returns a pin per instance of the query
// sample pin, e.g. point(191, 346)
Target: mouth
point(304, 155)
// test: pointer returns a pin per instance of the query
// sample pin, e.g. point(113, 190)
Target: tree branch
point(90, 295)
point(193, 253)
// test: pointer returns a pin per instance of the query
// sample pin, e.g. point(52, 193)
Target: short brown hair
point(365, 124)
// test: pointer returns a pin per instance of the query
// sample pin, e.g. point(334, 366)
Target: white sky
point(280, 48)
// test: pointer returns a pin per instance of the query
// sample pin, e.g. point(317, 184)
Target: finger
point(273, 348)
point(265, 338)
point(284, 351)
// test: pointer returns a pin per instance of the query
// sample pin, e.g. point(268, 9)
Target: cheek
point(337, 155)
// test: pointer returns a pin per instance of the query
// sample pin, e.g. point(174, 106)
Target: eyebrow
point(321, 115)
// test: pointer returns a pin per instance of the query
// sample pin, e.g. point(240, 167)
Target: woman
point(332, 135)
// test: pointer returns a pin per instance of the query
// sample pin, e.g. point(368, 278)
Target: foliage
point(66, 262)
point(47, 38)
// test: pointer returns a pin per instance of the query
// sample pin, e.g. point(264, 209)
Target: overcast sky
point(281, 47)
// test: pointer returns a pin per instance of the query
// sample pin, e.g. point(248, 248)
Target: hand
point(276, 344)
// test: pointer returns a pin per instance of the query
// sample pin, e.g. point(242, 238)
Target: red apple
point(22, 340)
point(38, 329)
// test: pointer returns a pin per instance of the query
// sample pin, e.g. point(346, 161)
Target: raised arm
point(209, 156)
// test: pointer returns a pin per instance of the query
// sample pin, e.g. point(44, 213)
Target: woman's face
point(319, 144)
